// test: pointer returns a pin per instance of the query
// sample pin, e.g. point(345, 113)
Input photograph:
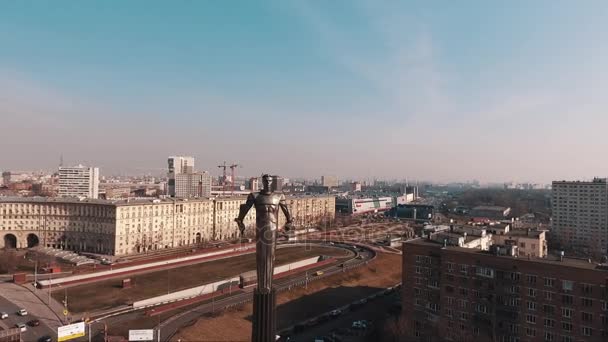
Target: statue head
point(267, 183)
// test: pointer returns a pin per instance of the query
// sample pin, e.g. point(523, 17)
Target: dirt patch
point(107, 294)
point(301, 303)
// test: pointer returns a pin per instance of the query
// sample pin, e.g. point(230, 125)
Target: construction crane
point(233, 176)
point(223, 166)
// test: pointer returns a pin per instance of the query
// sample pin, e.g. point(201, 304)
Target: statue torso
point(267, 207)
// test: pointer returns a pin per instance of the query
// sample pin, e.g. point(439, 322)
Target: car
point(33, 323)
point(318, 273)
point(22, 312)
point(3, 315)
point(45, 339)
point(22, 327)
point(335, 313)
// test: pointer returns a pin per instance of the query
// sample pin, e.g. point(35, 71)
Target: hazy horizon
point(429, 91)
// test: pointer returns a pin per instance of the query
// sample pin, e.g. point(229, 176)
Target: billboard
point(141, 335)
point(70, 331)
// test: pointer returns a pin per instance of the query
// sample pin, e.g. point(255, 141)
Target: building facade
point(193, 185)
point(135, 226)
point(580, 215)
point(462, 294)
point(79, 181)
point(329, 181)
point(177, 165)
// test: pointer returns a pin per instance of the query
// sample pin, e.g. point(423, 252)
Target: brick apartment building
point(462, 294)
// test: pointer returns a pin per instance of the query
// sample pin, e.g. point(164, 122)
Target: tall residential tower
point(79, 181)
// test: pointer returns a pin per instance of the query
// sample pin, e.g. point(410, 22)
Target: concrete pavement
point(24, 298)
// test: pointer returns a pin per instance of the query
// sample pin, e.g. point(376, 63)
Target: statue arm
point(285, 210)
point(243, 210)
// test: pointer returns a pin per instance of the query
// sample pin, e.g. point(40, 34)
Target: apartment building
point(79, 181)
point(580, 215)
point(134, 226)
point(452, 293)
point(192, 185)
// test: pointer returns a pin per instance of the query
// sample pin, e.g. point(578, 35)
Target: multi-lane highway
point(33, 333)
point(169, 327)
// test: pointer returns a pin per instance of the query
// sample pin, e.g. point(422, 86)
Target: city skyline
point(345, 89)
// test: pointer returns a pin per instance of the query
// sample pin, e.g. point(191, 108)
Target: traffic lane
point(32, 333)
point(374, 311)
point(24, 298)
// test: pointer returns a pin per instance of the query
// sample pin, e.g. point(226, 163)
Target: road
point(375, 311)
point(171, 326)
point(32, 333)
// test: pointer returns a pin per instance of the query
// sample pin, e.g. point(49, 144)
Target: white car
point(22, 312)
point(3, 315)
point(22, 327)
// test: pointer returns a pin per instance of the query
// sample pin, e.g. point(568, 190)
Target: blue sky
point(434, 90)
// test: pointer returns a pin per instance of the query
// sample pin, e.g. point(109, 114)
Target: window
point(418, 270)
point(567, 339)
point(587, 288)
point(549, 336)
point(587, 317)
point(549, 323)
point(485, 272)
point(464, 292)
point(463, 269)
point(567, 326)
point(463, 316)
point(531, 279)
point(567, 285)
point(449, 312)
point(530, 332)
point(532, 306)
point(548, 295)
point(532, 292)
point(588, 302)
point(531, 319)
point(567, 313)
point(450, 267)
point(567, 299)
point(587, 331)
point(515, 276)
point(462, 304)
point(482, 308)
point(451, 301)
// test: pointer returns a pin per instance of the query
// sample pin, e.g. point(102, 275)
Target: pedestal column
point(264, 318)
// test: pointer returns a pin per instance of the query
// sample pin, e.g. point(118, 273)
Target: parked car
point(22, 327)
point(22, 312)
point(45, 339)
point(3, 315)
point(33, 323)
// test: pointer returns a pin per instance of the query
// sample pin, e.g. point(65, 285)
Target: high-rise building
point(453, 293)
point(580, 215)
point(355, 186)
point(329, 181)
point(79, 181)
point(178, 165)
point(254, 184)
point(277, 183)
point(193, 185)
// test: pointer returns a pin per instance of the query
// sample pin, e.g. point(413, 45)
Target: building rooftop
point(490, 207)
point(550, 259)
point(525, 232)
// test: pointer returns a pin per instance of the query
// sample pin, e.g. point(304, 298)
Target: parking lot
point(32, 333)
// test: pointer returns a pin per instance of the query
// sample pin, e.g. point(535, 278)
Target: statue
point(267, 205)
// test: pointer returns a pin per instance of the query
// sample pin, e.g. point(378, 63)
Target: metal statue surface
point(267, 204)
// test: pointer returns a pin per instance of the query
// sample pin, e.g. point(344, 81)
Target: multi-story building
point(79, 181)
point(580, 215)
point(193, 185)
point(355, 187)
point(277, 183)
point(133, 226)
point(177, 165)
point(452, 293)
point(254, 184)
point(329, 181)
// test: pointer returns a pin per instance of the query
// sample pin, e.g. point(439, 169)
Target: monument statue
point(267, 205)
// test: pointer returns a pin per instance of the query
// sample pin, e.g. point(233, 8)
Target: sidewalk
point(43, 296)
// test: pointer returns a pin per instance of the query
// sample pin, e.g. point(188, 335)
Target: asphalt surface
point(33, 333)
point(171, 326)
point(375, 311)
